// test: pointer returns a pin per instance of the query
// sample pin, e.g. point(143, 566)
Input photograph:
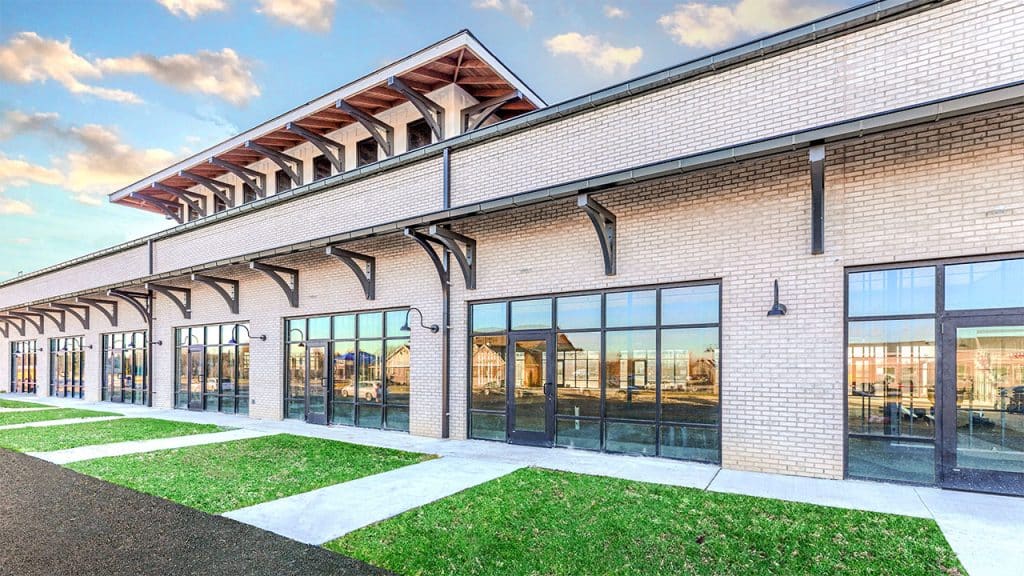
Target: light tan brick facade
point(953, 188)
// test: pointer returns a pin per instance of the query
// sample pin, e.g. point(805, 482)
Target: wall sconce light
point(777, 308)
point(405, 327)
point(159, 343)
point(234, 335)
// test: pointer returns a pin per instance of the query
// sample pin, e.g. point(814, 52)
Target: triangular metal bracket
point(106, 307)
point(364, 267)
point(286, 278)
point(227, 288)
point(604, 222)
point(462, 247)
point(81, 312)
point(58, 317)
point(138, 300)
point(27, 317)
point(3, 328)
point(382, 132)
point(425, 242)
point(182, 297)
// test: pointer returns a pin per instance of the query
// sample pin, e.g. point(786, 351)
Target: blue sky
point(96, 94)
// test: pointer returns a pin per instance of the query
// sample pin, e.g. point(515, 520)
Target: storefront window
point(623, 381)
point(67, 355)
point(212, 367)
point(23, 366)
point(125, 368)
point(368, 368)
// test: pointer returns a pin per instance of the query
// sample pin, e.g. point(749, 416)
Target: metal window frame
point(287, 342)
point(658, 423)
point(76, 356)
point(178, 346)
point(107, 349)
point(939, 315)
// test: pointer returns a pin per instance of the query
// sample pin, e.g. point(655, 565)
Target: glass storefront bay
point(632, 371)
point(24, 361)
point(125, 368)
point(67, 358)
point(212, 367)
point(350, 369)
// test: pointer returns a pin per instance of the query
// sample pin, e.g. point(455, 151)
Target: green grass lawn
point(216, 478)
point(19, 404)
point(7, 418)
point(92, 433)
point(535, 522)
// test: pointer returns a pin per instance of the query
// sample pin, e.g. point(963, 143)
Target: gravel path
point(56, 522)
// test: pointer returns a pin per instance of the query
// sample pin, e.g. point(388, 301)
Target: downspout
point(149, 335)
point(446, 295)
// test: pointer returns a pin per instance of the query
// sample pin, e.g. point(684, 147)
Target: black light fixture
point(777, 308)
point(300, 344)
point(159, 343)
point(234, 335)
point(405, 327)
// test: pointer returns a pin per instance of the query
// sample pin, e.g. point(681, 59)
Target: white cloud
point(11, 207)
point(21, 241)
point(193, 8)
point(520, 11)
point(27, 58)
point(222, 74)
point(614, 12)
point(595, 53)
point(714, 26)
point(98, 164)
point(315, 15)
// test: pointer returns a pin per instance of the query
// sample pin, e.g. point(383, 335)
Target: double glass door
point(982, 444)
point(531, 390)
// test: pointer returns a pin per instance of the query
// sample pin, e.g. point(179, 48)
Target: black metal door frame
point(194, 403)
point(950, 474)
point(313, 417)
point(531, 438)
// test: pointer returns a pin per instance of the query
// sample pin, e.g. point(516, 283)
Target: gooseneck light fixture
point(405, 327)
point(778, 309)
point(234, 335)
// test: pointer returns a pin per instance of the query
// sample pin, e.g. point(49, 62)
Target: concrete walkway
point(984, 530)
point(139, 446)
point(61, 422)
point(322, 515)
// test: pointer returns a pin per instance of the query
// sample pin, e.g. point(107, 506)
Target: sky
point(96, 94)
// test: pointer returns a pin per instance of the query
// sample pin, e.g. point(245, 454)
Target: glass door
point(195, 377)
point(316, 383)
point(531, 380)
point(983, 403)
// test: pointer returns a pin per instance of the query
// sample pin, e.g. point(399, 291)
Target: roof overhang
point(460, 59)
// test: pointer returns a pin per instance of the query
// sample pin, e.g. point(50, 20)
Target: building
point(803, 255)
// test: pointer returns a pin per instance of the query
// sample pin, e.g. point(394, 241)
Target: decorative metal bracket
point(474, 116)
point(331, 149)
point(256, 180)
point(222, 190)
point(194, 201)
point(431, 111)
point(356, 262)
point(382, 132)
point(291, 165)
point(604, 224)
point(80, 312)
point(106, 307)
point(58, 317)
point(172, 210)
point(817, 159)
point(462, 247)
point(14, 323)
point(278, 274)
point(228, 289)
point(182, 297)
point(138, 300)
point(27, 317)
point(3, 328)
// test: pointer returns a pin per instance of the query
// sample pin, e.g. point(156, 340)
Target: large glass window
point(23, 366)
point(67, 356)
point(624, 382)
point(892, 375)
point(369, 367)
point(984, 285)
point(212, 367)
point(125, 368)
